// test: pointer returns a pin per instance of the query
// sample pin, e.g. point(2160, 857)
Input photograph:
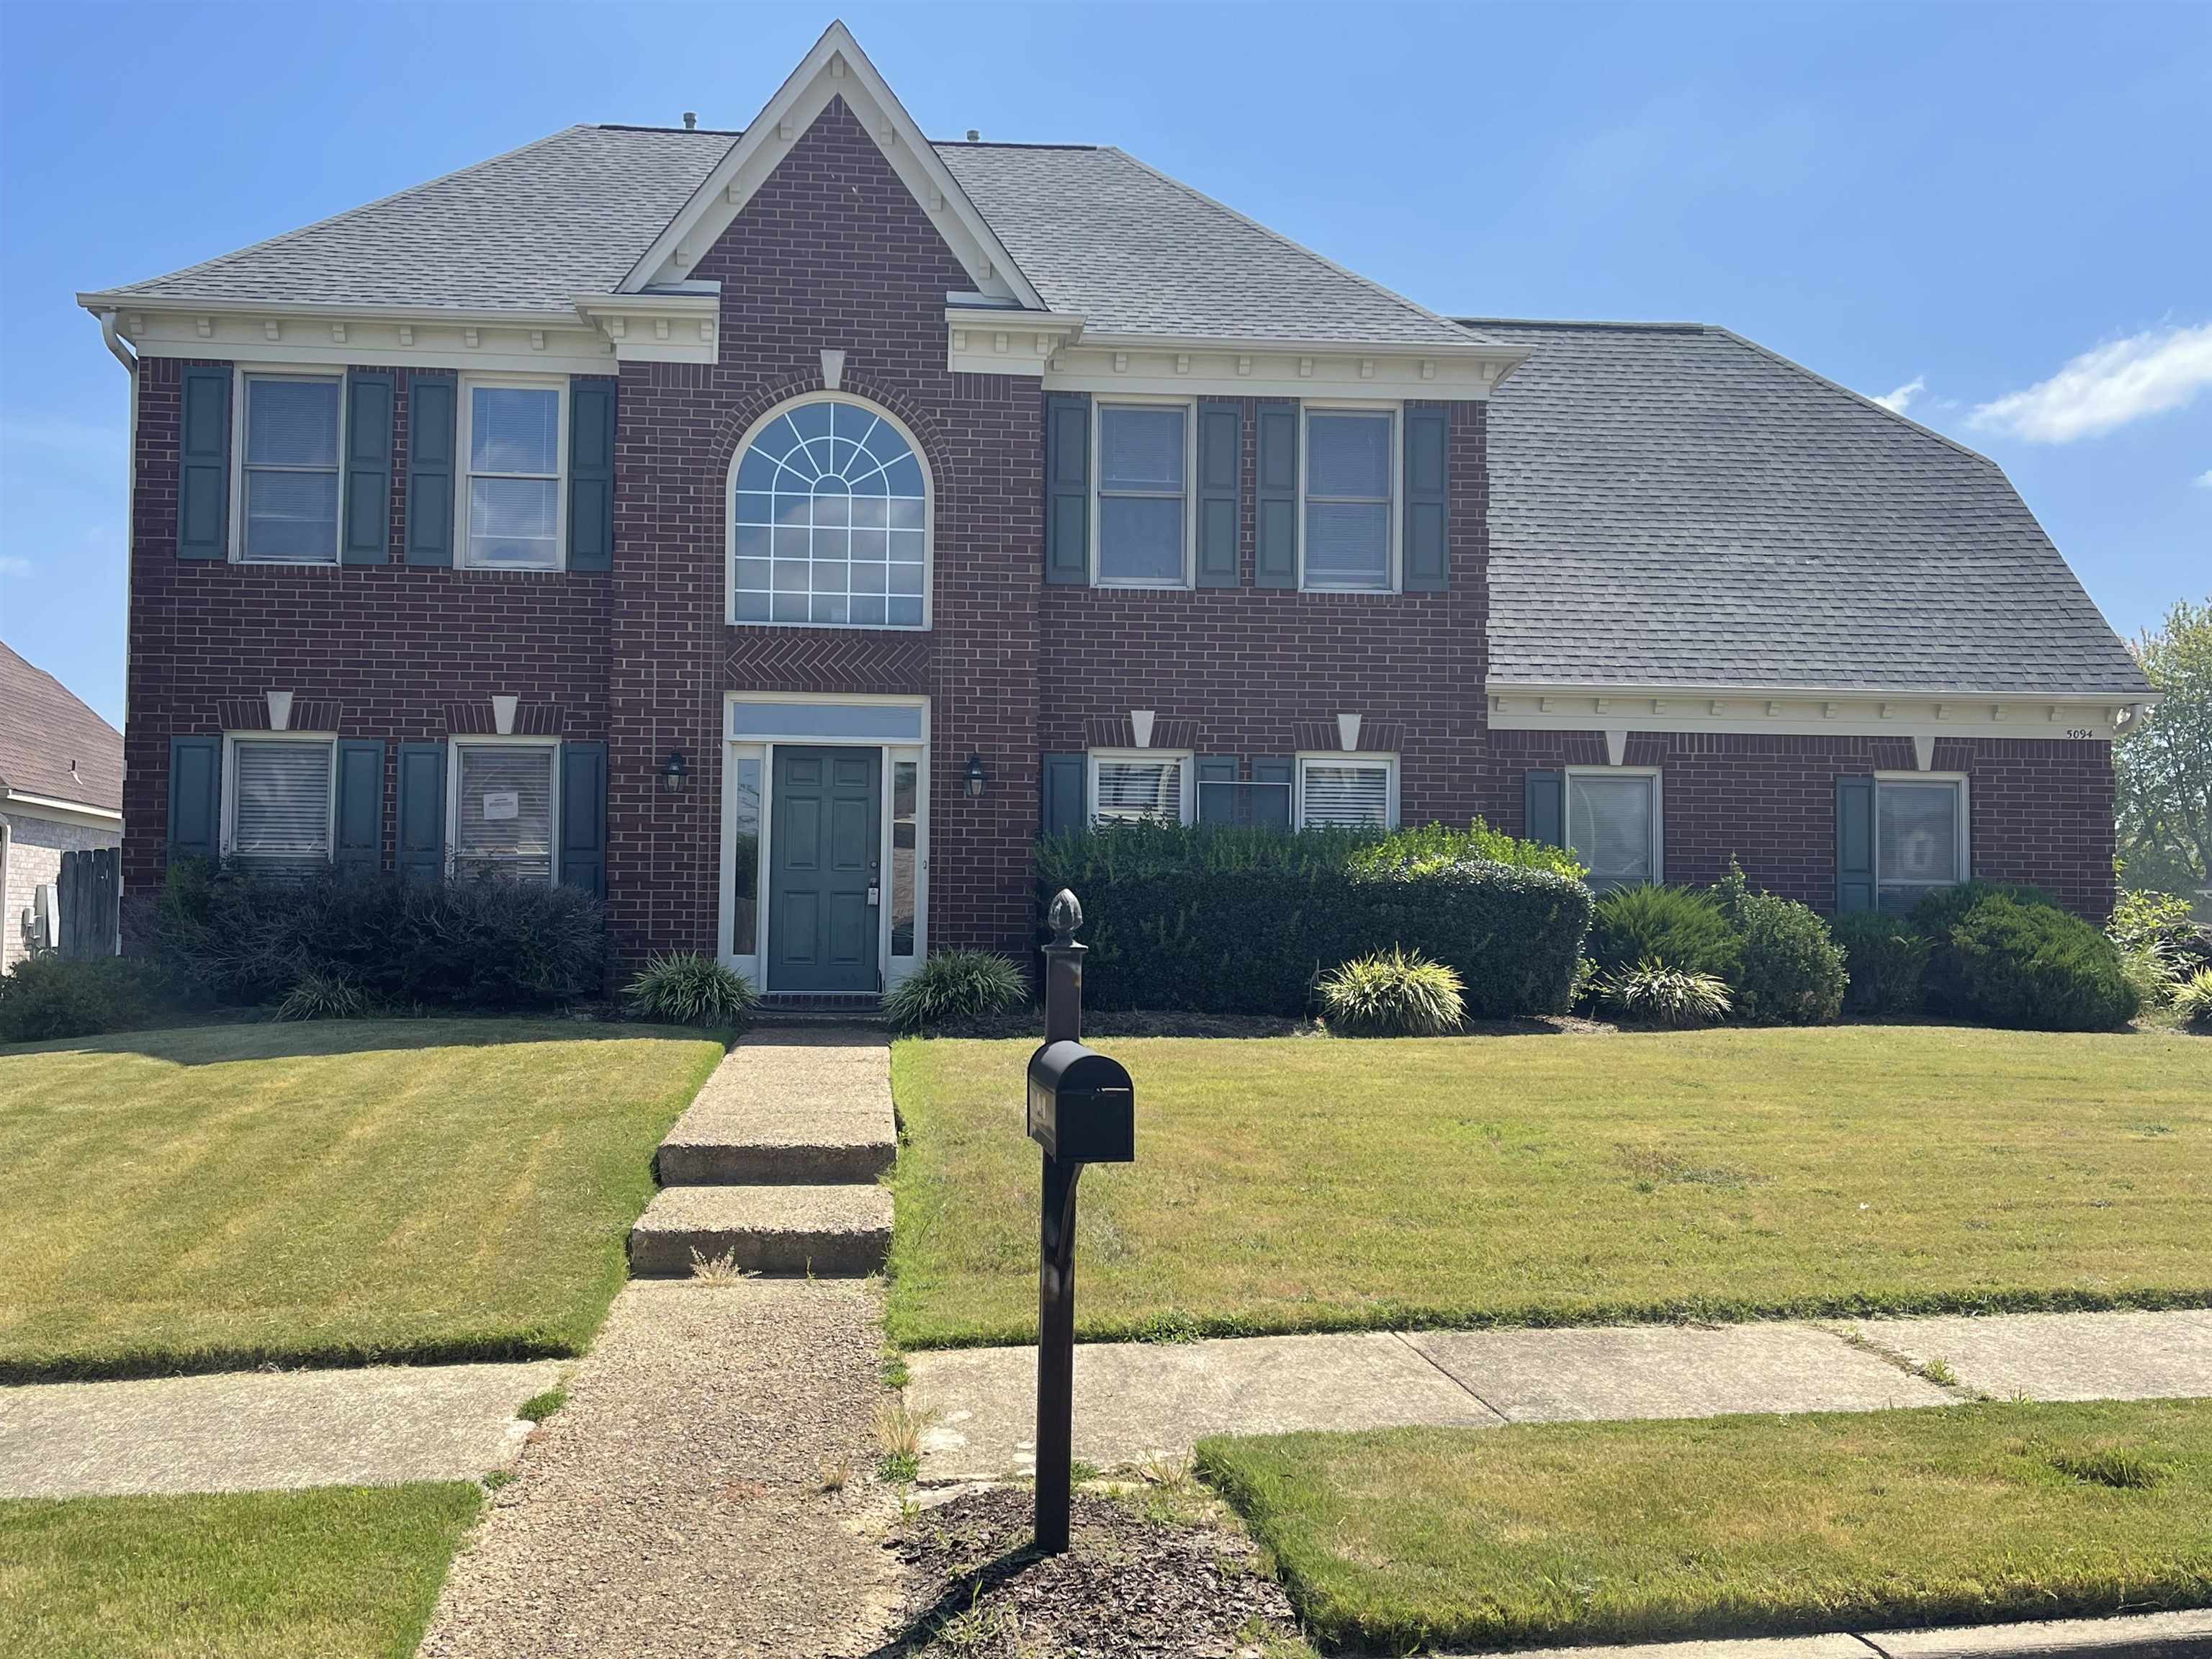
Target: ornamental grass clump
point(2192, 1000)
point(1653, 992)
point(1395, 994)
point(1680, 927)
point(687, 988)
point(317, 996)
point(953, 986)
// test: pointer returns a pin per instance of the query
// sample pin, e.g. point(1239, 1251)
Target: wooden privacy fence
point(91, 895)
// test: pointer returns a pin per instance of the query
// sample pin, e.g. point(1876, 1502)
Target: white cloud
point(12, 564)
point(1899, 401)
point(2146, 374)
point(2204, 479)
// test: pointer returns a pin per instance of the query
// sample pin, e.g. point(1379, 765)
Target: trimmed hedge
point(2037, 967)
point(1793, 973)
point(1215, 919)
point(1936, 917)
point(1888, 957)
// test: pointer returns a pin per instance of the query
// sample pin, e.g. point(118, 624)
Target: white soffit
point(1800, 711)
point(836, 67)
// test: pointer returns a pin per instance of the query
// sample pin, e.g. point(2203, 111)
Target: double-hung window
point(1130, 785)
point(281, 796)
point(1614, 825)
point(1144, 495)
point(514, 439)
point(1920, 838)
point(503, 811)
point(289, 469)
point(1350, 526)
point(1347, 792)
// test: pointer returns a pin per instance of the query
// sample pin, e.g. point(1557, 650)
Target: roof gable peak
point(836, 67)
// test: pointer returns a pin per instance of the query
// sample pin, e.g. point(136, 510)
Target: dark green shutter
point(422, 841)
point(368, 466)
point(584, 818)
point(1215, 802)
point(195, 797)
point(360, 803)
point(1067, 487)
point(1062, 798)
point(432, 406)
point(1276, 528)
point(1855, 889)
point(1273, 806)
point(203, 463)
point(591, 473)
point(1428, 543)
point(1220, 493)
point(1544, 807)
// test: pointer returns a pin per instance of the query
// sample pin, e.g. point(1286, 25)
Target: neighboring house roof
point(44, 730)
point(1674, 505)
point(1097, 232)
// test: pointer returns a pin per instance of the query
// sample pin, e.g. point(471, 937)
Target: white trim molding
point(1810, 711)
point(1322, 371)
point(16, 803)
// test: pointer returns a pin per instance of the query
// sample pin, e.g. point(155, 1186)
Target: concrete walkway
point(2138, 1635)
point(704, 1492)
point(242, 1431)
point(1138, 1400)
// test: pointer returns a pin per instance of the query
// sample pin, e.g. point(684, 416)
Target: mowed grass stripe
point(344, 1192)
point(1312, 1184)
point(1741, 1526)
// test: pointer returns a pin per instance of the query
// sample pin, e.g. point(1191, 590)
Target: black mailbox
point(1083, 1109)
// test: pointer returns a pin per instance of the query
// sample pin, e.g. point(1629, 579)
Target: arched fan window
point(829, 520)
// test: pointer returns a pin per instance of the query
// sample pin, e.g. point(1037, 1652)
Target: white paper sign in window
point(501, 805)
point(505, 822)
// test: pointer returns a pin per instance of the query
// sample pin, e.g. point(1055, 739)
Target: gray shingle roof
point(1673, 505)
point(1094, 231)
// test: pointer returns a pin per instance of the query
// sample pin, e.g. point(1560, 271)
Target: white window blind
point(1916, 839)
point(1612, 827)
point(1344, 794)
point(1141, 493)
point(1131, 789)
point(503, 818)
point(291, 470)
point(283, 810)
point(1347, 541)
point(515, 477)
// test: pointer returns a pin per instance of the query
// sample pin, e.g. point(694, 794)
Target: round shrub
point(2036, 967)
point(687, 988)
point(1392, 995)
point(1792, 972)
point(1682, 927)
point(1664, 996)
point(2192, 1000)
point(44, 999)
point(955, 985)
point(1936, 917)
point(1888, 957)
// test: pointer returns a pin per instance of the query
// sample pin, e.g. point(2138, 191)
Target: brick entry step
point(775, 1165)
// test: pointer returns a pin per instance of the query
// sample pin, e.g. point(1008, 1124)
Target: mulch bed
point(1132, 1585)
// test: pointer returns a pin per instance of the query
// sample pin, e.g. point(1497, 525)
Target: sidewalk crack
point(1407, 1342)
point(1869, 1641)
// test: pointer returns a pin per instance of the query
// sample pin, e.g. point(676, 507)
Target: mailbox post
point(1082, 1110)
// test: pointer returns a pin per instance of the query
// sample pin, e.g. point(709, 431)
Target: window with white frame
point(280, 795)
point(1350, 527)
point(1130, 785)
point(1614, 825)
point(504, 803)
point(830, 521)
point(1144, 495)
point(1347, 792)
point(288, 468)
point(1920, 838)
point(514, 439)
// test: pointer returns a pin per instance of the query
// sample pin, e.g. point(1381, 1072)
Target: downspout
point(124, 355)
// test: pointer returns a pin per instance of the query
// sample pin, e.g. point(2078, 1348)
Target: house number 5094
point(2078, 731)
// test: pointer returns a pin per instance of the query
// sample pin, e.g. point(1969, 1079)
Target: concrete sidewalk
point(2137, 1636)
point(1138, 1400)
point(247, 1431)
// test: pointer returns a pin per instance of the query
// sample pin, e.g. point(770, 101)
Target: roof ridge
point(1896, 415)
point(640, 126)
point(1288, 242)
point(1008, 143)
point(1624, 325)
point(293, 234)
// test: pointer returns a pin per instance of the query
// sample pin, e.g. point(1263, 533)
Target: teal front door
point(824, 842)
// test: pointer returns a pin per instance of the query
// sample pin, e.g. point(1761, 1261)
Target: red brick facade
point(833, 253)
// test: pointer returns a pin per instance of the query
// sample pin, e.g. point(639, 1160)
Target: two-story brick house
point(771, 531)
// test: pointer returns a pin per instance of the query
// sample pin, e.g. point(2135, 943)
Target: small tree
point(2164, 762)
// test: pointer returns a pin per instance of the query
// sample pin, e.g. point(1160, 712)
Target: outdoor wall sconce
point(975, 776)
point(672, 771)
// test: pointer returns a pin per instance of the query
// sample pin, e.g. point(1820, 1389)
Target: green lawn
point(1592, 1532)
point(218, 1197)
point(338, 1572)
point(1306, 1183)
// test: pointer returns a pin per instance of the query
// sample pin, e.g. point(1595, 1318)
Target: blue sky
point(2007, 211)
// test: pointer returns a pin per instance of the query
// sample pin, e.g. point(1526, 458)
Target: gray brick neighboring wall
point(34, 849)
